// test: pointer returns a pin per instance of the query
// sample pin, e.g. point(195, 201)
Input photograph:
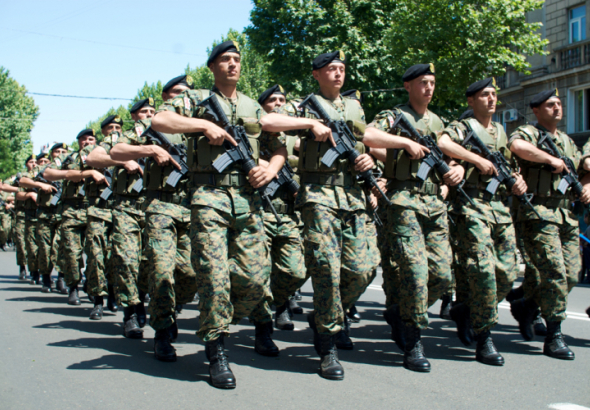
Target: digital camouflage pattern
point(5, 219)
point(19, 238)
point(48, 237)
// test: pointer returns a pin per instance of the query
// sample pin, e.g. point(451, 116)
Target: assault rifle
point(240, 154)
point(138, 186)
point(502, 166)
point(3, 203)
point(56, 184)
point(377, 174)
point(176, 151)
point(68, 160)
point(108, 191)
point(344, 139)
point(434, 159)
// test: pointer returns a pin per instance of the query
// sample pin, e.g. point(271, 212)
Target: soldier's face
point(43, 161)
point(274, 101)
point(550, 111)
point(173, 92)
point(332, 75)
point(484, 102)
point(226, 68)
point(57, 152)
point(107, 129)
point(145, 112)
point(420, 90)
point(86, 140)
point(32, 163)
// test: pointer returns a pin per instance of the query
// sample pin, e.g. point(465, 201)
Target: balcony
point(572, 55)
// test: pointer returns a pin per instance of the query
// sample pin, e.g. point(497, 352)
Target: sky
point(104, 48)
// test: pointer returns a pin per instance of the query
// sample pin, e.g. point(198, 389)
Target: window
point(579, 110)
point(577, 23)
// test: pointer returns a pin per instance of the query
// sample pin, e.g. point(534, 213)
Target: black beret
point(182, 80)
point(87, 131)
point(42, 155)
point(417, 70)
point(543, 96)
point(30, 157)
point(275, 89)
point(142, 103)
point(354, 94)
point(324, 59)
point(467, 114)
point(225, 47)
point(111, 119)
point(480, 85)
point(59, 145)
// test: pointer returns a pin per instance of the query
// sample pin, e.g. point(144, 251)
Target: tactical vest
point(398, 164)
point(473, 178)
point(201, 154)
point(155, 176)
point(311, 152)
point(283, 200)
point(540, 180)
point(71, 189)
point(44, 198)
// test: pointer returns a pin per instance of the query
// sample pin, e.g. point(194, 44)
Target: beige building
point(565, 67)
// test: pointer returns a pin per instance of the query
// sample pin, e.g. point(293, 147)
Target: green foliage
point(466, 41)
point(18, 112)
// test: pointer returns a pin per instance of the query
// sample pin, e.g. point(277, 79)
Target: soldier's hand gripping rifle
point(284, 178)
point(502, 166)
point(176, 151)
point(56, 184)
point(434, 159)
point(344, 139)
point(240, 154)
point(3, 203)
point(138, 186)
point(377, 174)
point(108, 191)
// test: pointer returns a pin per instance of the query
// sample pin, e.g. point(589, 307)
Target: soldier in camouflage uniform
point(333, 207)
point(6, 212)
point(552, 242)
point(74, 217)
point(418, 227)
point(48, 218)
point(128, 230)
point(284, 240)
point(485, 232)
point(229, 252)
point(29, 197)
point(172, 280)
point(18, 225)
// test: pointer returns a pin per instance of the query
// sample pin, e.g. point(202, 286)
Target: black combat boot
point(460, 315)
point(46, 284)
point(73, 298)
point(131, 329)
point(219, 371)
point(35, 278)
point(60, 285)
point(22, 273)
point(353, 314)
point(163, 349)
point(393, 318)
point(539, 326)
point(588, 311)
point(515, 294)
point(555, 345)
point(486, 352)
point(112, 301)
point(283, 319)
point(330, 367)
point(445, 307)
point(294, 307)
point(141, 313)
point(414, 358)
point(525, 312)
point(3, 247)
point(341, 339)
point(173, 330)
point(263, 343)
point(96, 313)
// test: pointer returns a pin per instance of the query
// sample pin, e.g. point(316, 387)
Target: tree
point(466, 40)
point(18, 113)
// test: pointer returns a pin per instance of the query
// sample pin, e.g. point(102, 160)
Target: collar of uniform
point(334, 101)
point(229, 100)
point(424, 117)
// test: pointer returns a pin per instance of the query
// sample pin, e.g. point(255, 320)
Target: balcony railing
point(573, 55)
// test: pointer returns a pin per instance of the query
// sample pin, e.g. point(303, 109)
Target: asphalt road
point(53, 357)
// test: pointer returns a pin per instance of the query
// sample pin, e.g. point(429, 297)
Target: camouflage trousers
point(554, 251)
point(232, 261)
point(532, 278)
point(288, 267)
point(48, 238)
point(127, 255)
point(490, 264)
point(172, 280)
point(460, 277)
point(31, 243)
point(420, 247)
point(338, 257)
point(73, 234)
point(6, 225)
point(390, 274)
point(19, 239)
point(98, 267)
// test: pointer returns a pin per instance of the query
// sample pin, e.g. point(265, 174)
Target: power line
point(78, 96)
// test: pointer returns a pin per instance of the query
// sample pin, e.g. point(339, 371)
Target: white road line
point(567, 406)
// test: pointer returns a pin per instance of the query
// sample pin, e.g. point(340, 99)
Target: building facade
point(565, 67)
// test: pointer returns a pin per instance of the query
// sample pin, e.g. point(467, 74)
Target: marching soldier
point(29, 198)
point(551, 241)
point(18, 225)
